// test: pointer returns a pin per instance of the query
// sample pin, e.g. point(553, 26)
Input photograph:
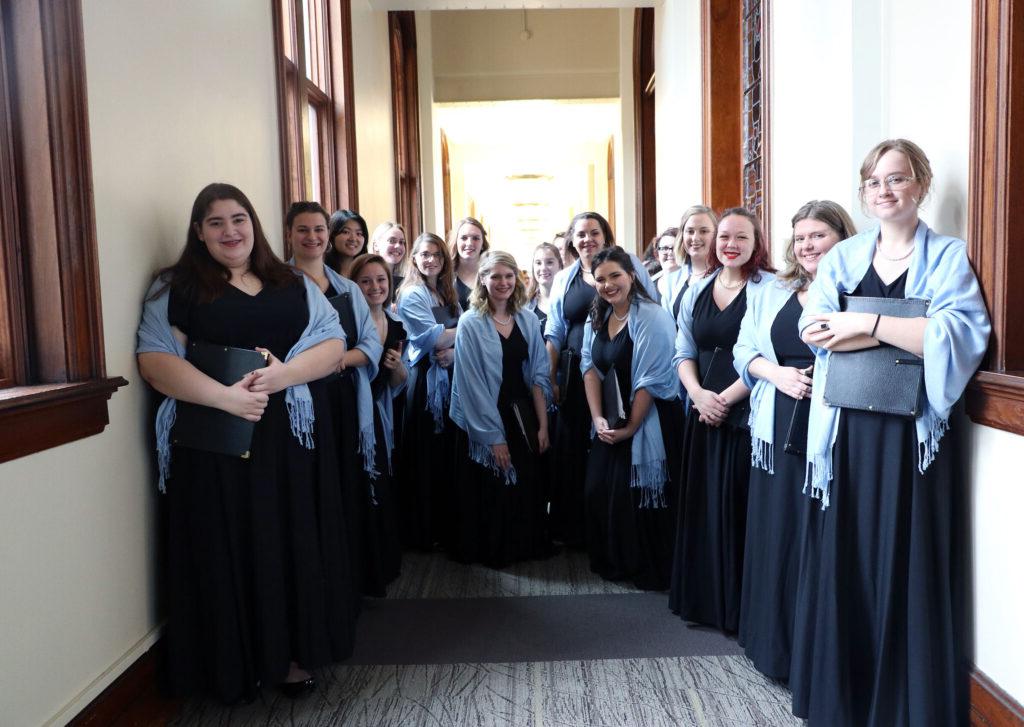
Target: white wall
point(678, 108)
point(169, 111)
point(891, 68)
point(430, 138)
point(371, 76)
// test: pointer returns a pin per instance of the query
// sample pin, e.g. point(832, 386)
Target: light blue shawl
point(477, 381)
point(369, 343)
point(755, 340)
point(955, 337)
point(651, 329)
point(674, 283)
point(414, 309)
point(155, 336)
point(557, 327)
point(385, 402)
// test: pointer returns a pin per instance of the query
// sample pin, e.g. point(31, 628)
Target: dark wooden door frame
point(722, 70)
point(405, 102)
point(643, 128)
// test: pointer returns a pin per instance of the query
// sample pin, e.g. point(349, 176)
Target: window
point(314, 69)
point(996, 396)
point(755, 109)
point(53, 383)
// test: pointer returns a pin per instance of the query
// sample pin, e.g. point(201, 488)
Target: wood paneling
point(722, 57)
point(991, 706)
point(405, 105)
point(996, 193)
point(643, 130)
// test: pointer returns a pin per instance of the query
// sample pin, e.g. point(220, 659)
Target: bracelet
point(874, 328)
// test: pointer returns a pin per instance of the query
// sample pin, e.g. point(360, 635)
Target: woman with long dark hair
point(888, 625)
point(630, 492)
point(429, 310)
point(572, 294)
point(348, 235)
point(776, 365)
point(707, 567)
point(259, 588)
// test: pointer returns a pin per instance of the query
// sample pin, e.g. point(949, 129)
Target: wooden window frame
point(330, 94)
point(405, 105)
point(644, 129)
point(995, 397)
point(54, 384)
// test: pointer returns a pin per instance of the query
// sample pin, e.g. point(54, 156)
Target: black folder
point(568, 370)
point(796, 432)
point(526, 422)
point(342, 303)
point(611, 400)
point(719, 375)
point(446, 315)
point(207, 428)
point(883, 379)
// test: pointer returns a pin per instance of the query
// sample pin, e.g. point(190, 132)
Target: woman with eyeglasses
point(429, 309)
point(467, 241)
point(696, 236)
point(776, 366)
point(500, 396)
point(665, 248)
point(889, 623)
point(707, 567)
point(572, 294)
point(633, 396)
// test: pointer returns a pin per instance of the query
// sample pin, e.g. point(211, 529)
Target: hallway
point(542, 643)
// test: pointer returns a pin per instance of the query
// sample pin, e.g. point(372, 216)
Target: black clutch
point(446, 315)
point(207, 428)
point(611, 400)
point(719, 375)
point(882, 379)
point(526, 422)
point(796, 433)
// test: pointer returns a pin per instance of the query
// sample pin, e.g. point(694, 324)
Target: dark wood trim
point(996, 191)
point(446, 181)
point(35, 418)
point(345, 167)
point(288, 106)
point(405, 106)
point(766, 119)
point(643, 129)
point(721, 24)
point(991, 706)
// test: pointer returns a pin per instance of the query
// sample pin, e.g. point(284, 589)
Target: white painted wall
point(371, 77)
point(890, 68)
point(677, 109)
point(169, 111)
point(430, 138)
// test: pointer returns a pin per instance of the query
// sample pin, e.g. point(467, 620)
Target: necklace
point(624, 318)
point(878, 249)
point(504, 322)
point(734, 286)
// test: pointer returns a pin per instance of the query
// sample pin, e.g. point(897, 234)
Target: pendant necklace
point(504, 322)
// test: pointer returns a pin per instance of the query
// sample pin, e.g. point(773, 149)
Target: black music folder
point(796, 432)
point(611, 400)
point(568, 370)
point(207, 428)
point(446, 315)
point(719, 375)
point(526, 421)
point(882, 379)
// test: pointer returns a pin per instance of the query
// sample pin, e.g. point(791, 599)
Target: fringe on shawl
point(484, 456)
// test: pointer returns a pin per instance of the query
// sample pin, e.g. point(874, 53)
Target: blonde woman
point(391, 243)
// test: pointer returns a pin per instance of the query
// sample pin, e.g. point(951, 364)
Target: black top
point(330, 291)
point(789, 349)
point(514, 352)
point(617, 352)
point(541, 315)
point(273, 319)
point(714, 328)
point(396, 333)
point(463, 291)
point(576, 307)
point(871, 286)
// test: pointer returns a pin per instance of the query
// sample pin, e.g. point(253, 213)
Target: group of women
point(647, 421)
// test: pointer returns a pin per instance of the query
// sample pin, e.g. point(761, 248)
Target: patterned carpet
point(516, 648)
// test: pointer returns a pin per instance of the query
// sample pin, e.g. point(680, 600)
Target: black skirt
point(382, 544)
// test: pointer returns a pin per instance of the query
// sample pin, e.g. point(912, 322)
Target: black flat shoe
point(297, 690)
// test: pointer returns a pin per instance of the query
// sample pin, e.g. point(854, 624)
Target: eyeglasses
point(431, 255)
point(894, 182)
point(666, 248)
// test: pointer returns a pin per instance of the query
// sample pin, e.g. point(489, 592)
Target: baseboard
point(991, 706)
point(118, 685)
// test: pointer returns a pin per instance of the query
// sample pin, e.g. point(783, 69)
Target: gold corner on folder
point(245, 455)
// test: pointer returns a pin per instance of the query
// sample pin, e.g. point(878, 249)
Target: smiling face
point(545, 265)
point(588, 238)
point(350, 240)
point(429, 261)
point(698, 232)
point(666, 248)
point(469, 241)
point(391, 247)
point(227, 231)
point(886, 203)
point(614, 284)
point(811, 240)
point(373, 281)
point(308, 236)
point(500, 283)
point(735, 241)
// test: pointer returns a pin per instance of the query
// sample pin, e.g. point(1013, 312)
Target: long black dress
point(383, 543)
point(625, 541)
point(774, 509)
point(571, 441)
point(707, 566)
point(890, 617)
point(497, 523)
point(258, 565)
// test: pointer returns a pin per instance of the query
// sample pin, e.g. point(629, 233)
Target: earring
point(330, 246)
